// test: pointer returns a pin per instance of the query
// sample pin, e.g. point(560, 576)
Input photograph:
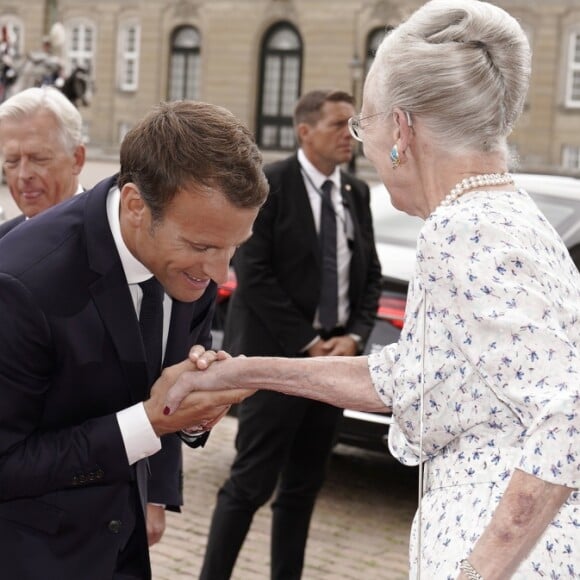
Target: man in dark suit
point(42, 150)
point(279, 309)
point(75, 434)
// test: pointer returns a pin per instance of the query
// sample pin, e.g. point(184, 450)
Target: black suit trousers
point(282, 441)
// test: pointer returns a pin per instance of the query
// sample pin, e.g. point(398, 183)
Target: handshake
point(181, 400)
point(195, 394)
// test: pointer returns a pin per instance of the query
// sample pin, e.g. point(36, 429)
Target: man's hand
point(198, 408)
point(203, 358)
point(343, 345)
point(155, 523)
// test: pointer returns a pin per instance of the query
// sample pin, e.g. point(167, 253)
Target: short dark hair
point(308, 107)
point(184, 143)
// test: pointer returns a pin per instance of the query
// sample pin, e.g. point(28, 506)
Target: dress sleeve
point(380, 367)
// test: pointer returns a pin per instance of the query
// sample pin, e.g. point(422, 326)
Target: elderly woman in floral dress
point(484, 381)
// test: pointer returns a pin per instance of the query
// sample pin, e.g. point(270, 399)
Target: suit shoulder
point(355, 182)
point(10, 225)
point(276, 169)
point(282, 174)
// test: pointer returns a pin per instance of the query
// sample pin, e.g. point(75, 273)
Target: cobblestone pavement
point(359, 530)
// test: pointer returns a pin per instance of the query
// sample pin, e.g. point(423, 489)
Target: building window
point(129, 45)
point(374, 39)
point(185, 66)
point(80, 46)
point(280, 80)
point(124, 128)
point(573, 69)
point(571, 157)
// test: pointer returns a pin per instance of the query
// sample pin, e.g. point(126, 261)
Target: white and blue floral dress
point(493, 325)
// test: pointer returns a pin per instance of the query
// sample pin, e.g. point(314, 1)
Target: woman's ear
point(403, 128)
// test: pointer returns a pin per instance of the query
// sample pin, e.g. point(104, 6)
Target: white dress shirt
point(313, 180)
point(138, 435)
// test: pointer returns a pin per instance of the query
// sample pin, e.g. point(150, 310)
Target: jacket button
point(115, 526)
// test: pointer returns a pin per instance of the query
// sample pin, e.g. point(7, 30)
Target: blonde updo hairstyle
point(462, 66)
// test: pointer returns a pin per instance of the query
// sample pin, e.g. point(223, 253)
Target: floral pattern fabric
point(492, 328)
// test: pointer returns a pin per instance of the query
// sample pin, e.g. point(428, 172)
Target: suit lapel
point(357, 261)
point(297, 189)
point(111, 294)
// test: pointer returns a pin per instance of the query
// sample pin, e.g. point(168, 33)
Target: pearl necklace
point(475, 182)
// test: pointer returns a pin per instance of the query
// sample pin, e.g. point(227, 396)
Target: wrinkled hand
point(155, 523)
point(197, 408)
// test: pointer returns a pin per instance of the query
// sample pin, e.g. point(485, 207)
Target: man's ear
point(132, 206)
point(302, 131)
point(79, 157)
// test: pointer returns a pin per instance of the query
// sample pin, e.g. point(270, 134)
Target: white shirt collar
point(135, 271)
point(317, 177)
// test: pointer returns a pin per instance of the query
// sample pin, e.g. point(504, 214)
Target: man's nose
point(25, 169)
point(217, 269)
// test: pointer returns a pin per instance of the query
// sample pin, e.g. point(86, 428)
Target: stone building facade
point(255, 57)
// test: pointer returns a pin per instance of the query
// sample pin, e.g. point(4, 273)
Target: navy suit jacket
point(11, 224)
point(71, 356)
point(272, 311)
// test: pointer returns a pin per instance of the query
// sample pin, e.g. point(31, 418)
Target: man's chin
point(31, 209)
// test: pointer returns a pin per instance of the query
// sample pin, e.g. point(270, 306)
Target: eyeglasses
point(355, 124)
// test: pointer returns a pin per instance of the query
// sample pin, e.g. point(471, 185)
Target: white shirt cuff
point(137, 433)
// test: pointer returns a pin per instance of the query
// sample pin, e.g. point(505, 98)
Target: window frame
point(282, 122)
point(129, 60)
point(572, 69)
point(571, 157)
point(191, 65)
point(80, 56)
point(371, 44)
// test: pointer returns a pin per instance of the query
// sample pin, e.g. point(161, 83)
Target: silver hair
point(463, 66)
point(31, 101)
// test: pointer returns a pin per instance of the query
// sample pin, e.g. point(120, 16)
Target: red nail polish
point(166, 411)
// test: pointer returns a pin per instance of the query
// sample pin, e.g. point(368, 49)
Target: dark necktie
point(328, 305)
point(151, 324)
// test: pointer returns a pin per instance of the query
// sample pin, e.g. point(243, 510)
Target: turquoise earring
point(395, 159)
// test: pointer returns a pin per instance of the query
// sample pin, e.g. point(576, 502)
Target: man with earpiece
point(308, 286)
